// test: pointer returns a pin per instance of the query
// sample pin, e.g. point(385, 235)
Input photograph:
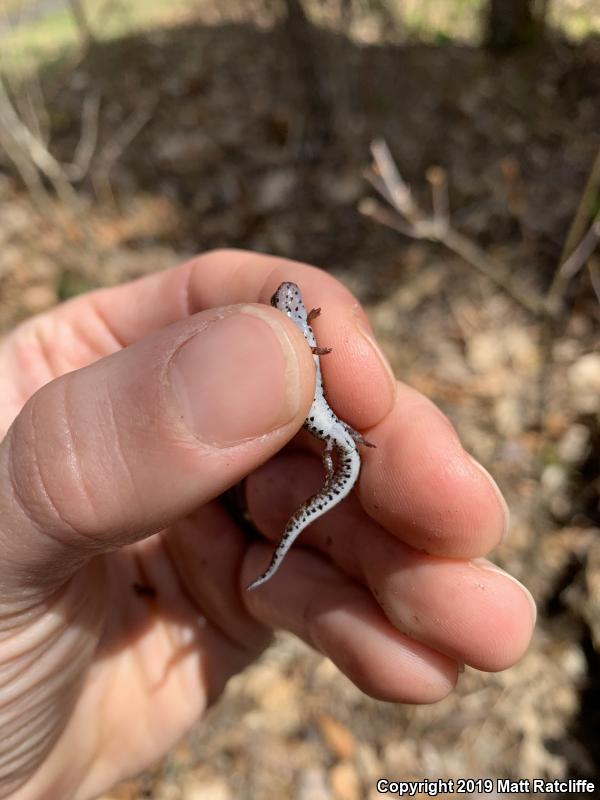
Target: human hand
point(123, 609)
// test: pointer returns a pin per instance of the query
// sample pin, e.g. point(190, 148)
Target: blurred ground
point(222, 154)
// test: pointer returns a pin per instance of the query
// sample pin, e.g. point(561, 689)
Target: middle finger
point(465, 609)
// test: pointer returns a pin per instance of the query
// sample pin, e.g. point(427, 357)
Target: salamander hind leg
point(327, 459)
point(316, 351)
point(358, 437)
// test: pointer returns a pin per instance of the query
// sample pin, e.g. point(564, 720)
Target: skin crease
point(96, 500)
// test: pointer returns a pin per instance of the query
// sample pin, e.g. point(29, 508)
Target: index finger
point(360, 382)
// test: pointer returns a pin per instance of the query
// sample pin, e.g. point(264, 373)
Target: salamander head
point(286, 297)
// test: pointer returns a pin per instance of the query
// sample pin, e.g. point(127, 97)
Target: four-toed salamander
point(340, 439)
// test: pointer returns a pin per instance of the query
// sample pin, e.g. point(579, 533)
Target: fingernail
point(498, 493)
point(238, 378)
point(483, 563)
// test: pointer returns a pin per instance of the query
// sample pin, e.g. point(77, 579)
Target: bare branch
point(584, 210)
point(582, 252)
point(375, 211)
point(115, 147)
point(32, 110)
point(410, 220)
point(23, 139)
point(82, 22)
point(27, 94)
point(438, 181)
point(580, 244)
point(373, 177)
point(29, 174)
point(397, 189)
point(88, 140)
point(594, 270)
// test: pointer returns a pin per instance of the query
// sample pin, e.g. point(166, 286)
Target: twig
point(27, 171)
point(582, 252)
point(88, 139)
point(377, 183)
point(378, 213)
point(24, 140)
point(580, 244)
point(82, 22)
point(594, 270)
point(29, 103)
point(24, 132)
point(32, 109)
point(397, 190)
point(584, 210)
point(438, 181)
point(115, 147)
point(411, 220)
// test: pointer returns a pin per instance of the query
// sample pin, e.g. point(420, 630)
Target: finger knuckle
point(44, 463)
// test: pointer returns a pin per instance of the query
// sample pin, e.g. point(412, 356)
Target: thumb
point(107, 454)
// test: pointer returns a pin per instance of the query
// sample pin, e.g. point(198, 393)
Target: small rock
point(312, 785)
point(513, 346)
point(574, 444)
point(509, 415)
point(342, 189)
point(555, 423)
point(182, 151)
point(554, 484)
point(485, 351)
point(14, 219)
point(38, 298)
point(426, 283)
point(553, 480)
point(282, 713)
point(367, 762)
point(399, 756)
point(337, 737)
point(207, 789)
point(522, 348)
point(275, 190)
point(584, 380)
point(166, 790)
point(512, 450)
point(344, 781)
point(566, 350)
point(572, 661)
